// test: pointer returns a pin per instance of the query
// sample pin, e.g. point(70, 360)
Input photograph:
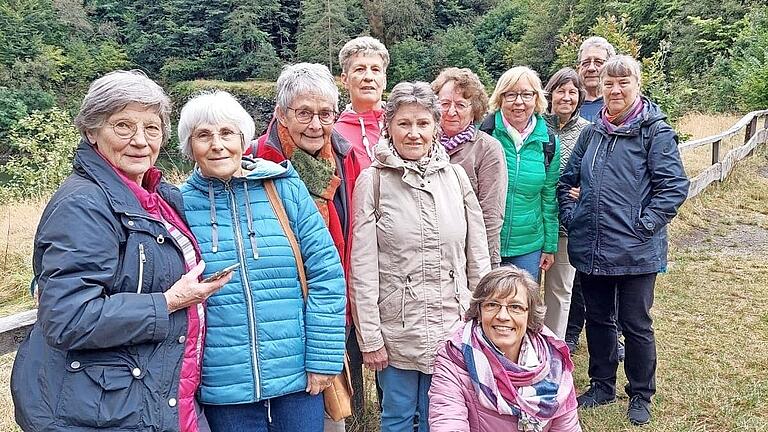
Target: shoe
point(639, 411)
point(620, 349)
point(596, 395)
point(573, 345)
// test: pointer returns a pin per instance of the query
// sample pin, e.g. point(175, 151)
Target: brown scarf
point(317, 172)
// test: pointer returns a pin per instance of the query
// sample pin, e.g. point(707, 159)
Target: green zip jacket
point(531, 219)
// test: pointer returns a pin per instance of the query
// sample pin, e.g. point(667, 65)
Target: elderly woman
point(532, 152)
point(418, 249)
point(119, 329)
point(632, 183)
point(565, 95)
point(364, 62)
point(463, 103)
point(504, 370)
point(270, 351)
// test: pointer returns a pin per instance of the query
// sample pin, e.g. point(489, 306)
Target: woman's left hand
point(316, 383)
point(547, 259)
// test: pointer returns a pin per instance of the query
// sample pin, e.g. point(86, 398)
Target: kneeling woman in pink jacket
point(503, 370)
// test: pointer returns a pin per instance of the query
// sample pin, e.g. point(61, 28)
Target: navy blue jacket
point(632, 183)
point(104, 352)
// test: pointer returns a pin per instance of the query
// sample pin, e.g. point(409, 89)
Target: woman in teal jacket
point(532, 153)
point(268, 355)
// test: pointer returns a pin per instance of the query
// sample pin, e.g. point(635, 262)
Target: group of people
point(421, 226)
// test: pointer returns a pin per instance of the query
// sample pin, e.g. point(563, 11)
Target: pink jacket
point(454, 406)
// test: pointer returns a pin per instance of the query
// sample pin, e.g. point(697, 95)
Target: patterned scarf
point(518, 138)
point(528, 389)
point(317, 172)
point(460, 138)
point(626, 116)
point(420, 165)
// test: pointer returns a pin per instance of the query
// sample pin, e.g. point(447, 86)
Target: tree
point(323, 31)
point(497, 31)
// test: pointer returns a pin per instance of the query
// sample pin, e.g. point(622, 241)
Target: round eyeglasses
point(305, 116)
point(126, 130)
point(493, 308)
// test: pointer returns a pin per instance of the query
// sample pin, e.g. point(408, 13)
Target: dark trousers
point(632, 297)
point(576, 312)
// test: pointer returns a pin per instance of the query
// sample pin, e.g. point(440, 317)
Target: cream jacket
point(412, 270)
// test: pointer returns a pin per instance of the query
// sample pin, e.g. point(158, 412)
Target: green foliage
point(496, 33)
point(324, 30)
point(43, 144)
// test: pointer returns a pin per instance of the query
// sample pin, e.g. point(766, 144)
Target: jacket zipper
point(247, 288)
point(142, 260)
point(608, 149)
point(456, 292)
point(408, 289)
point(514, 189)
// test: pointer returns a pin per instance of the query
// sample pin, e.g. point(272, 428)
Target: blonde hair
point(509, 79)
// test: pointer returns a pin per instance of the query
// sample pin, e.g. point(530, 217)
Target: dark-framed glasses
point(526, 96)
point(305, 116)
point(205, 136)
point(126, 130)
point(493, 308)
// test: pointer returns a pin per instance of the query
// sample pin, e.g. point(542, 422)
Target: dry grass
point(18, 222)
point(695, 126)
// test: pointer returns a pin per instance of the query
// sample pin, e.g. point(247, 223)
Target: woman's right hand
point(574, 193)
point(187, 291)
point(376, 360)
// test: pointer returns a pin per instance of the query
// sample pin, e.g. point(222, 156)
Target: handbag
point(338, 396)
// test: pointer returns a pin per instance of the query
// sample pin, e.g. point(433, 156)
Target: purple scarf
point(460, 138)
point(627, 116)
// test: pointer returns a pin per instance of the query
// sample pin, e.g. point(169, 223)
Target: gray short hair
point(212, 107)
point(303, 79)
point(597, 42)
point(621, 66)
point(504, 282)
point(364, 45)
point(412, 93)
point(116, 90)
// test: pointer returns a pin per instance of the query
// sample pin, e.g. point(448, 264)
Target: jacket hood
point(651, 114)
point(385, 157)
point(255, 170)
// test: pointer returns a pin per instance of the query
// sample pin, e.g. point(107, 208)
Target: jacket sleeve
point(476, 249)
point(326, 301)
point(77, 255)
point(568, 422)
point(448, 411)
point(549, 202)
point(669, 183)
point(364, 259)
point(571, 177)
point(492, 185)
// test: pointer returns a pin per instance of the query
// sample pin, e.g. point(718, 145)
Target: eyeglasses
point(126, 130)
point(305, 116)
point(598, 62)
point(525, 96)
point(493, 308)
point(205, 136)
point(446, 105)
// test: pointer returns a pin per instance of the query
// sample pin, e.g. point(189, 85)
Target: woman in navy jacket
point(632, 182)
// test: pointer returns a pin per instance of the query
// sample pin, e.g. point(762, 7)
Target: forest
point(697, 55)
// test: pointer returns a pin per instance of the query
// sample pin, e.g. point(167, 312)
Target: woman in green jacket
point(532, 152)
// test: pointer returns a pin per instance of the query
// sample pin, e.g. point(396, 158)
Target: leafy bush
point(43, 144)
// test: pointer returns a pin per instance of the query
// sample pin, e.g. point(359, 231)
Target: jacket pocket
point(102, 395)
point(389, 306)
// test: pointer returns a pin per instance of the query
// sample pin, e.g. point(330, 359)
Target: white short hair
point(304, 79)
point(213, 107)
point(597, 42)
point(363, 45)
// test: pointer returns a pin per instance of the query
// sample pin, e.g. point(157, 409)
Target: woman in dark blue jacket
point(632, 183)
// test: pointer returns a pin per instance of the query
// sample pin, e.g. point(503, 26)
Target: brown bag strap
point(282, 217)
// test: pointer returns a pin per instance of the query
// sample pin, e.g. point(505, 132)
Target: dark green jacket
point(531, 214)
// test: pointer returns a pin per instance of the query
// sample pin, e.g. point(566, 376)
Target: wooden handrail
point(14, 328)
point(733, 130)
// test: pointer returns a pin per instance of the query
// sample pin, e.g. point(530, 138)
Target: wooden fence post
point(750, 132)
point(716, 152)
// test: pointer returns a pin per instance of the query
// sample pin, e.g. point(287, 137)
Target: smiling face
point(619, 92)
point(564, 101)
point(135, 154)
point(506, 328)
point(591, 63)
point(518, 111)
point(412, 130)
point(217, 149)
point(456, 109)
point(309, 137)
point(365, 80)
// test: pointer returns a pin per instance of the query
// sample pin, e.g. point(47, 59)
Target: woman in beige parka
point(419, 247)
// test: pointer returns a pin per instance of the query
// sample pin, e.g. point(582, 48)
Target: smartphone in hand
point(221, 273)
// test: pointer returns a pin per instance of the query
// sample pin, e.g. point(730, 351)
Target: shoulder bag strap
point(282, 217)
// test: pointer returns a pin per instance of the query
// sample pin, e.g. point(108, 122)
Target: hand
point(574, 193)
point(547, 259)
point(376, 360)
point(316, 383)
point(187, 291)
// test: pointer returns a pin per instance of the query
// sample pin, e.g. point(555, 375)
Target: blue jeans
point(295, 412)
point(529, 262)
point(403, 393)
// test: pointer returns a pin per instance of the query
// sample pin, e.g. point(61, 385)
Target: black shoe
point(573, 345)
point(620, 349)
point(596, 395)
point(639, 411)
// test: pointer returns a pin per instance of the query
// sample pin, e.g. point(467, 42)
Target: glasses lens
point(326, 117)
point(304, 116)
point(153, 132)
point(124, 129)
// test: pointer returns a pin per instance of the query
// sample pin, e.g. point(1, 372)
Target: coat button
point(130, 223)
point(422, 185)
point(182, 339)
point(75, 365)
point(172, 402)
point(160, 239)
point(136, 372)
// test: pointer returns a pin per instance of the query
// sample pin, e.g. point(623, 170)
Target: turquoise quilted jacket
point(262, 338)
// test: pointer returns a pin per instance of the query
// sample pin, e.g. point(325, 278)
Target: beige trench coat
point(413, 269)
